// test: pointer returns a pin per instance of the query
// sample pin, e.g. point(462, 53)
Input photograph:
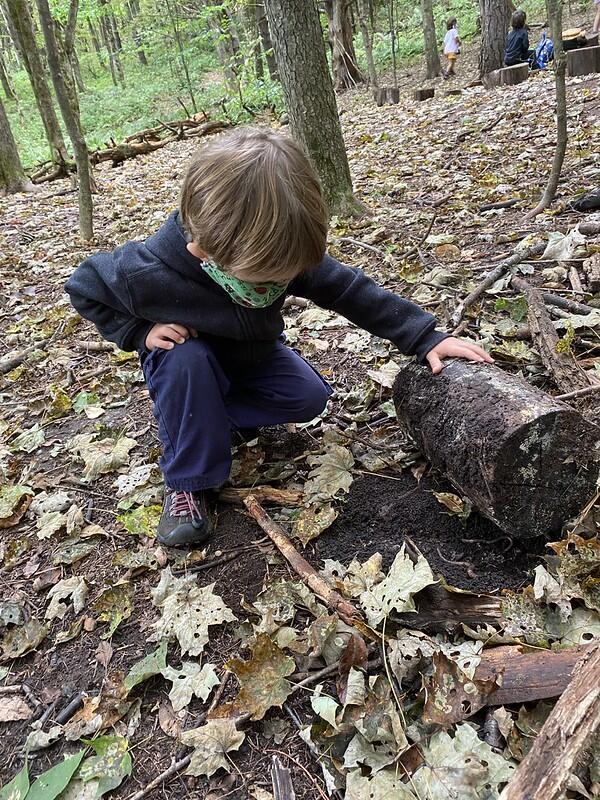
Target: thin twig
point(415, 247)
point(358, 243)
point(579, 392)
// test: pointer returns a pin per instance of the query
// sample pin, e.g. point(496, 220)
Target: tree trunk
point(526, 461)
point(554, 8)
point(346, 73)
point(176, 32)
point(544, 772)
point(24, 40)
point(265, 39)
point(137, 40)
point(494, 26)
point(4, 79)
point(432, 56)
point(96, 43)
point(12, 175)
point(112, 48)
point(309, 96)
point(67, 101)
point(363, 22)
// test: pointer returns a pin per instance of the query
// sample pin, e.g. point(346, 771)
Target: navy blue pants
point(199, 400)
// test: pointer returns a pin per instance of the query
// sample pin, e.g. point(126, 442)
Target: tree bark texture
point(24, 40)
point(583, 61)
point(526, 461)
point(494, 27)
point(544, 772)
point(12, 175)
point(4, 79)
point(364, 24)
point(554, 8)
point(346, 73)
point(507, 76)
point(432, 56)
point(309, 96)
point(265, 39)
point(70, 112)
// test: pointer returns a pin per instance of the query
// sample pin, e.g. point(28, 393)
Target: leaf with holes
point(29, 440)
point(262, 678)
point(187, 611)
point(142, 521)
point(396, 590)
point(462, 766)
point(113, 606)
point(211, 743)
point(189, 680)
point(74, 588)
point(382, 785)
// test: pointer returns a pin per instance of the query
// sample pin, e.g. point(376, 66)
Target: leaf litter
point(357, 723)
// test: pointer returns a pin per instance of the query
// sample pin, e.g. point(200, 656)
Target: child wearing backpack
point(517, 42)
point(451, 47)
point(201, 301)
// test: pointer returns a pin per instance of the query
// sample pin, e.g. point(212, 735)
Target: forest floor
point(420, 168)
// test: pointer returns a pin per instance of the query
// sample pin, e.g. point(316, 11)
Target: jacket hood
point(169, 245)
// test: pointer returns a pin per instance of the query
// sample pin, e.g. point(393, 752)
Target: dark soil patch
point(381, 511)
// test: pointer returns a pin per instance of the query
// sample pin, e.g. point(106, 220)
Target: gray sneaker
point(185, 519)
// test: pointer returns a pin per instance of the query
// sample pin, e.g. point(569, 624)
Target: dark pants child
point(200, 398)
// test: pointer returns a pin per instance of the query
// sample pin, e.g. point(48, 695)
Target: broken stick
point(567, 373)
point(544, 772)
point(308, 573)
point(492, 276)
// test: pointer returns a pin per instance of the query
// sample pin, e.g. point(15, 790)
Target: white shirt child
point(451, 41)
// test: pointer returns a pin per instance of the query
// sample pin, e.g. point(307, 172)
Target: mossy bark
point(12, 175)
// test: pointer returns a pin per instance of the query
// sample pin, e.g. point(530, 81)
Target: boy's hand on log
point(455, 348)
point(166, 336)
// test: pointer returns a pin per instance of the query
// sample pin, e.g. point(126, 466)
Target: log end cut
point(527, 461)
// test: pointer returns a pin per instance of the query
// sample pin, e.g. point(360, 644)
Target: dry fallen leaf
point(211, 743)
point(13, 708)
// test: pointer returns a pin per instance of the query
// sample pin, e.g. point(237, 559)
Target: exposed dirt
point(473, 555)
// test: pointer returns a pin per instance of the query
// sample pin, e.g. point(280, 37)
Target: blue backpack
point(544, 53)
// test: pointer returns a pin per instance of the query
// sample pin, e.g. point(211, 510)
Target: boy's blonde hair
point(252, 201)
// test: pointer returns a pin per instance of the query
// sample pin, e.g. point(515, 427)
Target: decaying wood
point(525, 460)
point(567, 373)
point(591, 267)
point(501, 204)
point(544, 772)
point(492, 276)
point(507, 76)
point(306, 571)
point(386, 95)
point(572, 306)
point(575, 281)
point(583, 61)
point(281, 779)
point(264, 494)
point(528, 674)
point(589, 228)
point(423, 94)
point(440, 610)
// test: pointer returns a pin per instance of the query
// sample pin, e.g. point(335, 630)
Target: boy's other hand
point(166, 336)
point(455, 348)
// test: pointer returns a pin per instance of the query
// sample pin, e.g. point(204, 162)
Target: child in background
point(451, 47)
point(517, 42)
point(596, 25)
point(201, 302)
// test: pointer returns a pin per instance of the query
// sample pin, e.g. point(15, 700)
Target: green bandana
point(252, 295)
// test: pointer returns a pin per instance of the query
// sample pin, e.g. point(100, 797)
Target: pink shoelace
point(183, 504)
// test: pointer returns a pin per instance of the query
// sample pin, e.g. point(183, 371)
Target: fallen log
point(423, 94)
point(525, 460)
point(565, 370)
point(264, 494)
point(544, 772)
point(528, 674)
point(440, 610)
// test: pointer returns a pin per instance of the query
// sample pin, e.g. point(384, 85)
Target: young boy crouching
point(201, 302)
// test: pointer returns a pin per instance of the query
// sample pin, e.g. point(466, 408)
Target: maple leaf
point(189, 680)
point(262, 678)
point(211, 742)
point(187, 611)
